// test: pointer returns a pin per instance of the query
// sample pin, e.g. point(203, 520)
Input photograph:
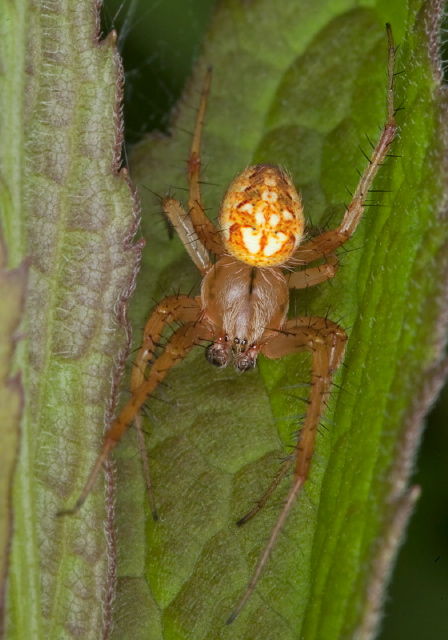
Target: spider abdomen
point(261, 216)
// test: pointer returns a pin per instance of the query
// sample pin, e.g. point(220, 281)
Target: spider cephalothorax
point(243, 305)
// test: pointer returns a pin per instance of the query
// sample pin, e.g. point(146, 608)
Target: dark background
point(159, 52)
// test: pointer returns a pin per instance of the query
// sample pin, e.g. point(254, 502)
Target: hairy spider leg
point(181, 222)
point(179, 308)
point(197, 232)
point(177, 348)
point(326, 341)
point(296, 280)
point(285, 467)
point(329, 241)
point(314, 275)
point(205, 229)
point(175, 309)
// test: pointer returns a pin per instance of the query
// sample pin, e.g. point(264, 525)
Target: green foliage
point(302, 90)
point(67, 210)
point(12, 289)
point(300, 87)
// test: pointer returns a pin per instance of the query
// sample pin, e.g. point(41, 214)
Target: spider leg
point(269, 491)
point(329, 241)
point(205, 230)
point(173, 309)
point(314, 275)
point(181, 221)
point(326, 341)
point(178, 308)
point(176, 349)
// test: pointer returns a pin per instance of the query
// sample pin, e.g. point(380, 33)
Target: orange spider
point(243, 305)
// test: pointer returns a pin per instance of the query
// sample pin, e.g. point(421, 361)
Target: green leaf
point(303, 88)
point(67, 208)
point(12, 289)
point(297, 86)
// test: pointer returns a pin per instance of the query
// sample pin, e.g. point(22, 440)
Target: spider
point(259, 254)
